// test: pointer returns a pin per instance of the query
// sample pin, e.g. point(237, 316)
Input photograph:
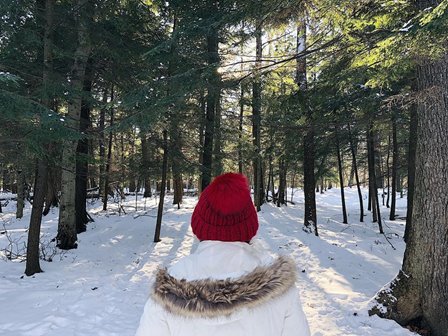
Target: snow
point(101, 287)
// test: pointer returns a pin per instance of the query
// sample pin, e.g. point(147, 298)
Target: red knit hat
point(225, 210)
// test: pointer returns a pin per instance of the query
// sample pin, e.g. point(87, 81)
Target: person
point(231, 285)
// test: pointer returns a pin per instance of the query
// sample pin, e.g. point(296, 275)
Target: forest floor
point(100, 288)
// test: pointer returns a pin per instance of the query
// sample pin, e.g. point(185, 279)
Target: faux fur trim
point(212, 298)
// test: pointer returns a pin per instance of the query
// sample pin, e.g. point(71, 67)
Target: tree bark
point(20, 192)
point(388, 172)
point(394, 168)
point(162, 187)
point(102, 142)
point(419, 294)
point(281, 196)
point(256, 119)
point(66, 237)
point(212, 101)
point(371, 172)
point(355, 168)
point(201, 133)
point(341, 180)
point(240, 131)
point(106, 190)
point(32, 248)
point(309, 181)
point(145, 165)
point(82, 152)
point(218, 154)
point(413, 133)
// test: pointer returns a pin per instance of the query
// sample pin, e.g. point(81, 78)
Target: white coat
point(225, 289)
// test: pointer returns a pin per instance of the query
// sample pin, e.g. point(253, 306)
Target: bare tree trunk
point(309, 182)
point(102, 142)
point(270, 179)
point(32, 248)
point(355, 168)
point(371, 168)
point(66, 237)
point(82, 152)
point(388, 172)
point(145, 165)
point(162, 188)
point(256, 119)
point(341, 180)
point(218, 154)
point(394, 167)
point(413, 133)
point(352, 169)
point(201, 131)
point(240, 132)
point(372, 179)
point(132, 164)
point(281, 197)
point(213, 84)
point(20, 192)
point(51, 187)
point(106, 190)
point(419, 294)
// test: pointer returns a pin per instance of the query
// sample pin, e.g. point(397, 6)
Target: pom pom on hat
point(225, 210)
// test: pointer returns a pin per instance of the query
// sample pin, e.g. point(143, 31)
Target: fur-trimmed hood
point(212, 298)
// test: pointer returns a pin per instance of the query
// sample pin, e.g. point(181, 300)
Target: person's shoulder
point(182, 267)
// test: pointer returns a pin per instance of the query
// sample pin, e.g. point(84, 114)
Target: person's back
point(225, 287)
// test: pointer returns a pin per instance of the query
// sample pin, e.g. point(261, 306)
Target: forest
point(111, 101)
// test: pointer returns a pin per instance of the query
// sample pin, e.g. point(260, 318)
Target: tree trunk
point(20, 192)
point(145, 163)
point(178, 187)
point(371, 169)
point(419, 294)
point(282, 182)
point(52, 187)
point(132, 164)
point(218, 154)
point(162, 187)
point(256, 119)
point(82, 153)
point(388, 172)
point(309, 181)
point(66, 237)
point(240, 131)
point(352, 169)
point(355, 168)
point(411, 169)
point(270, 179)
point(106, 190)
point(32, 248)
point(394, 168)
point(212, 102)
point(201, 131)
point(102, 142)
point(341, 180)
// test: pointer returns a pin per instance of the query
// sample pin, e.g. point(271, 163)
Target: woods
point(110, 100)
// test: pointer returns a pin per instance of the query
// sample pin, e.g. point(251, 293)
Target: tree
point(256, 118)
point(394, 166)
point(419, 293)
point(67, 233)
point(33, 242)
point(309, 181)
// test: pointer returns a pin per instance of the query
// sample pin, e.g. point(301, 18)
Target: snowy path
point(100, 288)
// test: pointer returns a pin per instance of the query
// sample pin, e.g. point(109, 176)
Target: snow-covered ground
point(100, 288)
